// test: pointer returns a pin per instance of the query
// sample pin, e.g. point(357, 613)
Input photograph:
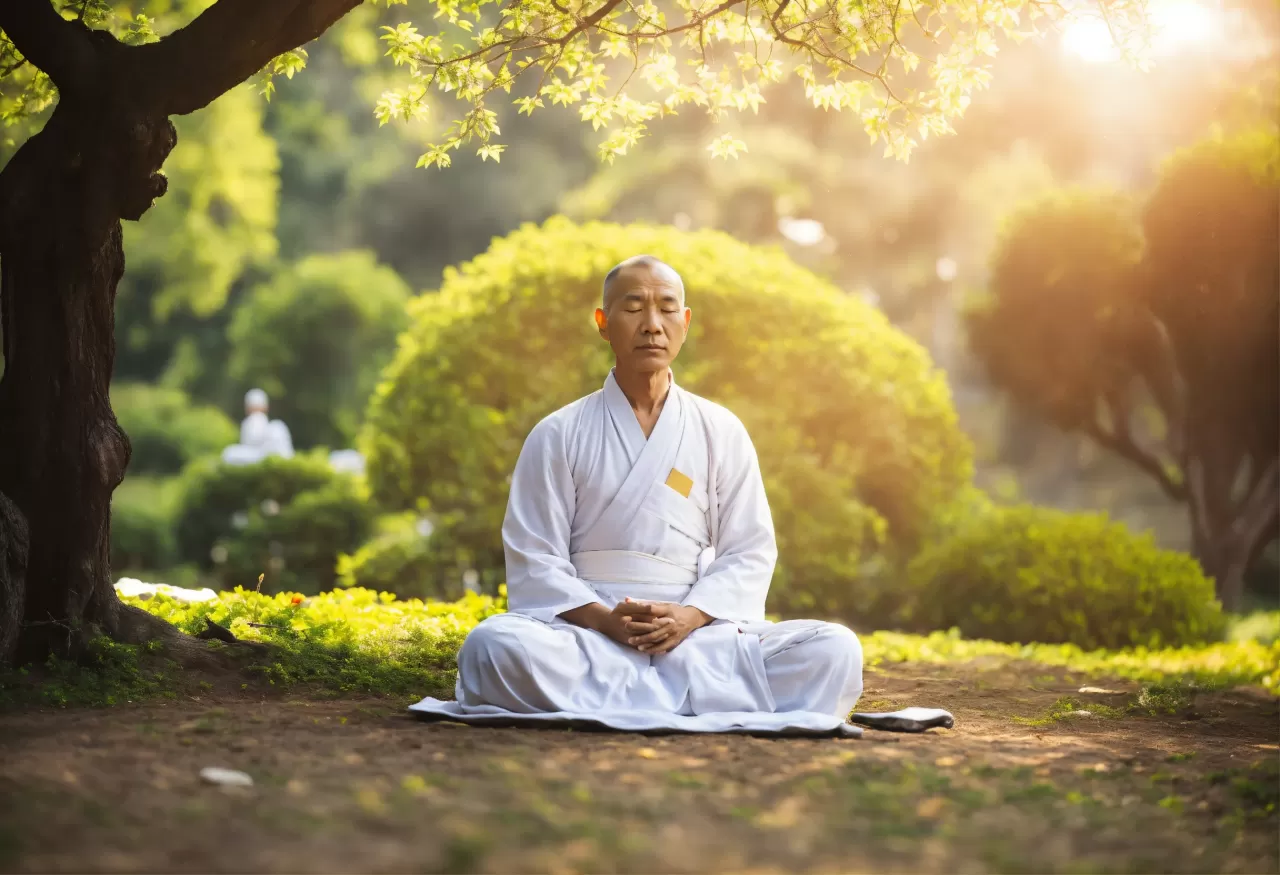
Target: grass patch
point(345, 641)
point(1152, 700)
point(1070, 708)
point(108, 674)
point(1164, 698)
point(1211, 666)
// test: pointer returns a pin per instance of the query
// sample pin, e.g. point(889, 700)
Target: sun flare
point(1176, 25)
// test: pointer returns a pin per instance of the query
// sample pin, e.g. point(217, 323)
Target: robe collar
point(625, 418)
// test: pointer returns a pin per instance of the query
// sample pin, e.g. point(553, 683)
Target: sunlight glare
point(802, 232)
point(1175, 25)
point(1090, 40)
point(1180, 23)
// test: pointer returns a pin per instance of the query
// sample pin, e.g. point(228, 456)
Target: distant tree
point(315, 336)
point(97, 158)
point(1159, 335)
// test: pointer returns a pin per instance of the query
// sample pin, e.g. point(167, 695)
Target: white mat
point(784, 724)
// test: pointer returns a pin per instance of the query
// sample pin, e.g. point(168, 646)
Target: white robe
point(592, 517)
point(259, 437)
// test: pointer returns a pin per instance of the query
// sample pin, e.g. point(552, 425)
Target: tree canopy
point(907, 70)
point(1158, 336)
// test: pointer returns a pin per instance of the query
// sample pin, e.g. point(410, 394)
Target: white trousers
point(526, 666)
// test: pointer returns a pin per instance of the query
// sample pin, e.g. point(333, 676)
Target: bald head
point(639, 267)
point(643, 316)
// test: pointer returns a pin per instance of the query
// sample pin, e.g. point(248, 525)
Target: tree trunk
point(61, 451)
point(1226, 538)
point(1207, 549)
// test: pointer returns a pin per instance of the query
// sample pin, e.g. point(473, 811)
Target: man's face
point(646, 320)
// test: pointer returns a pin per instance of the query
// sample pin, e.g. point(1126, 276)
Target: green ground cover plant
point(357, 640)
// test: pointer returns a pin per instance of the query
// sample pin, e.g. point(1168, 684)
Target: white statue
point(259, 436)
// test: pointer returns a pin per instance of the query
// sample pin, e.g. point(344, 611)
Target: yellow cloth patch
point(681, 483)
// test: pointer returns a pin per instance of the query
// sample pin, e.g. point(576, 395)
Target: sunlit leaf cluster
point(906, 68)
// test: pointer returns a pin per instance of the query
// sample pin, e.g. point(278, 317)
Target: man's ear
point(688, 316)
point(602, 323)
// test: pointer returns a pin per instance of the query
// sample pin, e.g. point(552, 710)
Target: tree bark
point(13, 566)
point(62, 197)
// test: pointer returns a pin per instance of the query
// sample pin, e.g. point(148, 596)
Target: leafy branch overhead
point(623, 64)
point(907, 68)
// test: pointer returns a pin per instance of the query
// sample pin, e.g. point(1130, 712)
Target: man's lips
point(651, 347)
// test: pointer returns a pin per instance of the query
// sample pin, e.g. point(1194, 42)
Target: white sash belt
point(625, 566)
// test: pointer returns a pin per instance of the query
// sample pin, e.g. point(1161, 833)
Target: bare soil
point(354, 785)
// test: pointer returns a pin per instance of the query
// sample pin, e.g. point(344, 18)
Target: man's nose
point(652, 321)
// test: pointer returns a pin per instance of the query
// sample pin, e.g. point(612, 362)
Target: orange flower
point(297, 600)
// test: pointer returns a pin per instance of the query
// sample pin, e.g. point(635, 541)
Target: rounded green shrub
point(403, 560)
point(287, 519)
point(166, 431)
point(854, 426)
point(1025, 574)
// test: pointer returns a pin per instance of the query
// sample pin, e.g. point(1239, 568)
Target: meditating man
point(639, 550)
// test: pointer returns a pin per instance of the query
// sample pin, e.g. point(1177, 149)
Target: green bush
point(166, 430)
point(142, 523)
point(401, 560)
point(1028, 574)
point(854, 426)
point(1260, 626)
point(315, 336)
point(402, 563)
point(288, 519)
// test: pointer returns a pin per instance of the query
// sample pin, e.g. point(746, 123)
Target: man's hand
point(658, 627)
point(650, 627)
point(612, 623)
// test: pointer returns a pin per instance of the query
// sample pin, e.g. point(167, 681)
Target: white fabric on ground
point(131, 586)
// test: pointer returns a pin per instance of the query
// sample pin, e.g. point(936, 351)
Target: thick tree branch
point(1120, 440)
point(1259, 509)
point(59, 47)
point(1160, 372)
point(1197, 488)
point(225, 45)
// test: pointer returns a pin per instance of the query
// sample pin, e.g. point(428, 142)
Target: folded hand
point(658, 627)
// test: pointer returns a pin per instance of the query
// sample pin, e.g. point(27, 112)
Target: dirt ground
point(347, 785)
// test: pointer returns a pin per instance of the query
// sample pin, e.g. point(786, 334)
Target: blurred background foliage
point(297, 242)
